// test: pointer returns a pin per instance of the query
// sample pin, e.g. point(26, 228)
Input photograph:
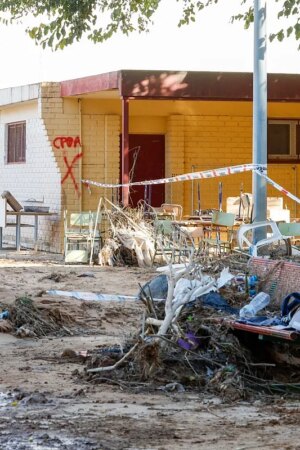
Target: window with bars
point(16, 142)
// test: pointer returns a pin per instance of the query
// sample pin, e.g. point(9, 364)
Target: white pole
point(259, 185)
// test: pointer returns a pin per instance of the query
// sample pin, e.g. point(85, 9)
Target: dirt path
point(45, 404)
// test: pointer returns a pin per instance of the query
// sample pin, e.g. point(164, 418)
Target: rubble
point(185, 340)
point(128, 230)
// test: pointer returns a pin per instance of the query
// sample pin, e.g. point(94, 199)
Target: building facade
point(140, 125)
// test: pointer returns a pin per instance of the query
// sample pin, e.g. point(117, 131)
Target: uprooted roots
point(220, 365)
point(147, 360)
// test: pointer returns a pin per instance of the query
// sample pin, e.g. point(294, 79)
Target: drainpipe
point(259, 186)
point(125, 150)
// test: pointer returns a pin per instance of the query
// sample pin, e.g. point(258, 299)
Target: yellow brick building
point(204, 121)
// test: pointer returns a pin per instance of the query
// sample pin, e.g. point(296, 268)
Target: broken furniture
point(242, 206)
point(291, 230)
point(163, 237)
point(245, 209)
point(167, 211)
point(276, 210)
point(263, 332)
point(11, 201)
point(8, 199)
point(282, 276)
point(191, 231)
point(220, 233)
point(80, 232)
point(267, 232)
point(169, 241)
point(173, 209)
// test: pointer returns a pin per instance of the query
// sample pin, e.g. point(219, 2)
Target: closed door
point(147, 162)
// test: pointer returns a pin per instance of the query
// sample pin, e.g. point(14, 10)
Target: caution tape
point(278, 187)
point(213, 173)
point(260, 169)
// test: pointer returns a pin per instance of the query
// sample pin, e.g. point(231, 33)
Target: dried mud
point(45, 405)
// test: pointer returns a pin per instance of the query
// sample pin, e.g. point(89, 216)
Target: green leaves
point(64, 21)
point(288, 9)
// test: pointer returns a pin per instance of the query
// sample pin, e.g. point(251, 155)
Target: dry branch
point(115, 366)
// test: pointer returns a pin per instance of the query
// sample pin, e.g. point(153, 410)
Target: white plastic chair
point(271, 229)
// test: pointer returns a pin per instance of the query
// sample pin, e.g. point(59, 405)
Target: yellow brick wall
point(199, 136)
point(174, 158)
point(212, 142)
point(99, 135)
point(147, 124)
point(219, 140)
point(101, 158)
point(59, 123)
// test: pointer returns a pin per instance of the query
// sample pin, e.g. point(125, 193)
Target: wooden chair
point(220, 233)
point(173, 209)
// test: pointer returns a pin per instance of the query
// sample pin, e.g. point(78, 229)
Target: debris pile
point(130, 239)
point(38, 317)
point(186, 342)
point(29, 320)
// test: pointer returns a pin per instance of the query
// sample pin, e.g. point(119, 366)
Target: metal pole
point(192, 193)
point(220, 195)
point(259, 185)
point(125, 150)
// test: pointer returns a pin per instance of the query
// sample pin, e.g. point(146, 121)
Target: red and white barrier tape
point(278, 187)
point(259, 168)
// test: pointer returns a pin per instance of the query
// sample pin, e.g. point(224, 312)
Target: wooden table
point(18, 224)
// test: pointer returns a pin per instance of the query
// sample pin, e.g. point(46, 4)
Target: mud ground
point(45, 405)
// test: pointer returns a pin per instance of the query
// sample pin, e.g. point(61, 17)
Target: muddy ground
point(45, 405)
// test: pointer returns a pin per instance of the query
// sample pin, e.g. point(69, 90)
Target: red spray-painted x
point(70, 170)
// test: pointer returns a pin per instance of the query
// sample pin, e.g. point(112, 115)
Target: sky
point(212, 43)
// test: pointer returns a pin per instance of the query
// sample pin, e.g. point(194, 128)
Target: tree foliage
point(61, 22)
point(288, 9)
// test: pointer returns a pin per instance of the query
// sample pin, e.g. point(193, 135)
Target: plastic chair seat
point(275, 236)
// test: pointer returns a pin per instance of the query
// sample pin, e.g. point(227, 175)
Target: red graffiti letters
point(69, 171)
point(66, 141)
